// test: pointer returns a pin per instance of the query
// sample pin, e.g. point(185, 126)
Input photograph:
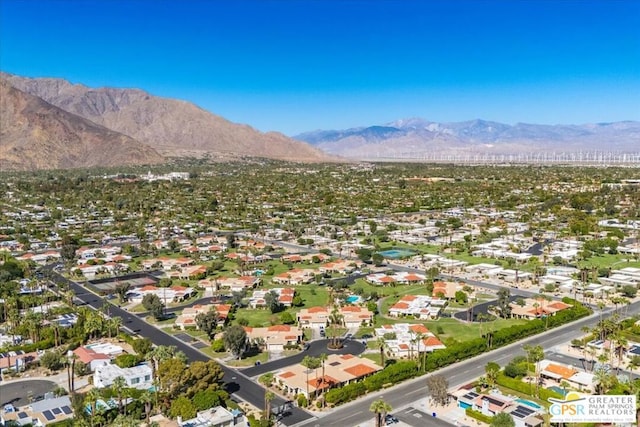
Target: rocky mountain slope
point(37, 135)
point(417, 137)
point(174, 128)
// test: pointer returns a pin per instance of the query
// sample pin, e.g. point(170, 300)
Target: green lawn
point(312, 296)
point(250, 361)
point(608, 260)
point(452, 328)
point(375, 357)
point(381, 290)
point(257, 317)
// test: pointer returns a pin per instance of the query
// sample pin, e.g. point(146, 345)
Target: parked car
point(390, 419)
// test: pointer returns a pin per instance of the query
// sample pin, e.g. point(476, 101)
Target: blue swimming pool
point(353, 299)
point(558, 390)
point(397, 253)
point(529, 403)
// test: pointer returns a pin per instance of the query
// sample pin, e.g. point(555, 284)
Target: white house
point(139, 377)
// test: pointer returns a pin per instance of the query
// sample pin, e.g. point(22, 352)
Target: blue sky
point(294, 66)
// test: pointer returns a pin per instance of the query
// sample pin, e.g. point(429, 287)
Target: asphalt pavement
point(316, 348)
point(17, 393)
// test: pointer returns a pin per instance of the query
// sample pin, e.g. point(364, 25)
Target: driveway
point(316, 348)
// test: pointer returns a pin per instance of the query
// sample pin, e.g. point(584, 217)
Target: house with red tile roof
point(339, 370)
point(296, 276)
point(285, 297)
point(274, 338)
point(188, 316)
point(535, 308)
point(236, 284)
point(406, 339)
point(353, 316)
point(91, 358)
point(417, 306)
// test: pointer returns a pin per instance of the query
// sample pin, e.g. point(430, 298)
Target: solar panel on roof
point(22, 415)
point(494, 401)
point(49, 416)
point(66, 410)
point(56, 411)
point(334, 363)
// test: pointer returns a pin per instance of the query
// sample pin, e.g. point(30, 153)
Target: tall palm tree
point(113, 325)
point(380, 343)
point(380, 408)
point(146, 398)
point(91, 399)
point(322, 358)
point(118, 386)
point(310, 363)
point(268, 397)
point(335, 319)
point(633, 364)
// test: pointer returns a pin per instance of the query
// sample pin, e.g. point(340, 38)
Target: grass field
point(312, 296)
point(374, 356)
point(453, 328)
point(608, 260)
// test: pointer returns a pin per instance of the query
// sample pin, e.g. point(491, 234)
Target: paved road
point(236, 382)
point(478, 308)
point(417, 418)
point(315, 349)
point(18, 392)
point(458, 374)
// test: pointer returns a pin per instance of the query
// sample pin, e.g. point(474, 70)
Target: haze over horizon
point(299, 66)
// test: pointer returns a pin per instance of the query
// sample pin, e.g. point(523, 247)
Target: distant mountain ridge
point(171, 127)
point(37, 135)
point(418, 137)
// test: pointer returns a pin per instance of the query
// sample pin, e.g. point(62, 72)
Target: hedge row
point(401, 371)
point(464, 350)
point(478, 415)
point(392, 374)
point(518, 385)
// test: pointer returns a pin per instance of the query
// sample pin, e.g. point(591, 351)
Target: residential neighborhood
point(314, 315)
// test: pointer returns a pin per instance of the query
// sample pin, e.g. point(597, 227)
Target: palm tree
point(113, 325)
point(307, 363)
point(118, 386)
point(268, 397)
point(335, 319)
point(380, 343)
point(147, 400)
point(92, 400)
point(322, 358)
point(380, 408)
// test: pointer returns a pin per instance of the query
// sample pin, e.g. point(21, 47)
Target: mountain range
point(51, 123)
point(416, 138)
point(48, 123)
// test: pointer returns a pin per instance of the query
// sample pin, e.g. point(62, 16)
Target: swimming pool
point(397, 253)
point(529, 403)
point(353, 299)
point(558, 390)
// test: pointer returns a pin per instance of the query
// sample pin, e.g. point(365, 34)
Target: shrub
point(127, 360)
point(478, 415)
point(526, 388)
point(218, 346)
point(302, 400)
